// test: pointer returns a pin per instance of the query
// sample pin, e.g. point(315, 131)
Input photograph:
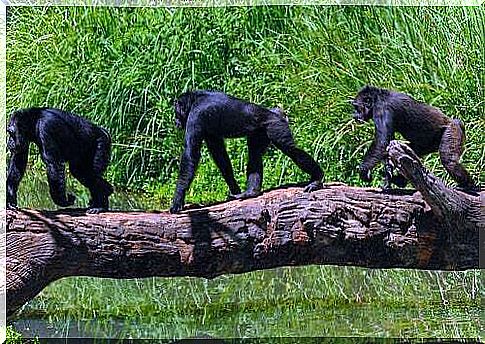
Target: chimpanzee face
point(182, 107)
point(180, 117)
point(363, 104)
point(362, 111)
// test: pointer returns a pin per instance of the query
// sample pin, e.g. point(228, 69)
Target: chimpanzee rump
point(61, 137)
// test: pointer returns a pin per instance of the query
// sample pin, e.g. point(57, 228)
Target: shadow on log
point(435, 228)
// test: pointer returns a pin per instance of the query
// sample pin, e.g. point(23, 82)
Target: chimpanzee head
point(182, 106)
point(364, 103)
point(18, 133)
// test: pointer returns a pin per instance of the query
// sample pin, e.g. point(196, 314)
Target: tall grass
point(121, 67)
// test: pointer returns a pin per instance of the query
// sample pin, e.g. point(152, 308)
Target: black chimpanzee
point(61, 137)
point(212, 116)
point(425, 127)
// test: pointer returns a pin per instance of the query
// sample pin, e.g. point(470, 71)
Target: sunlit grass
point(122, 67)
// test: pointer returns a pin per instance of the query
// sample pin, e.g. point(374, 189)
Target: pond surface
point(286, 302)
point(364, 321)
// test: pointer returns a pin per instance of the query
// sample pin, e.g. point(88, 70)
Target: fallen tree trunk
point(436, 228)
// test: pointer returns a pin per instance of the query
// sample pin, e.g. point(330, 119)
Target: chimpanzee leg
point(219, 154)
point(99, 188)
point(279, 134)
point(258, 143)
point(56, 177)
point(451, 149)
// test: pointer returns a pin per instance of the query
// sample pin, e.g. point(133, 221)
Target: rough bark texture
point(435, 228)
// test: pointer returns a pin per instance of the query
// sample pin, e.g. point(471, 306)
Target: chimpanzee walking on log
point(212, 116)
point(425, 127)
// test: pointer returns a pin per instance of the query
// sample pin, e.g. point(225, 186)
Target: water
point(364, 322)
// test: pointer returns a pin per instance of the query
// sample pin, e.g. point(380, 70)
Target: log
point(433, 228)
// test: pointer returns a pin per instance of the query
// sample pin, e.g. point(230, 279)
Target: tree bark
point(434, 228)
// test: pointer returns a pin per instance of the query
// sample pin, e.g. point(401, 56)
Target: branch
point(337, 225)
point(454, 208)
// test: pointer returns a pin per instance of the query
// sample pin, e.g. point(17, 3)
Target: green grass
point(121, 67)
point(12, 336)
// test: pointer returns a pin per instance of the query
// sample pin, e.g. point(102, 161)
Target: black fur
point(212, 116)
point(425, 127)
point(61, 137)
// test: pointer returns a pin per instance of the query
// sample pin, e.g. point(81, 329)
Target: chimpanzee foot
point(313, 186)
point(95, 210)
point(247, 194)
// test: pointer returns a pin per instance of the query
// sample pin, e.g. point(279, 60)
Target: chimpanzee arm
point(16, 170)
point(188, 164)
point(103, 152)
point(383, 135)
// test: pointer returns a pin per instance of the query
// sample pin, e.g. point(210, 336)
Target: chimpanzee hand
point(12, 206)
point(177, 206)
point(95, 210)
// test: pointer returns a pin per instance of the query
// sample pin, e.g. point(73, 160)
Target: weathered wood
point(460, 217)
point(338, 225)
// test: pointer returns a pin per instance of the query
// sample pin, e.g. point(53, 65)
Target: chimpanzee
point(61, 137)
point(425, 127)
point(211, 116)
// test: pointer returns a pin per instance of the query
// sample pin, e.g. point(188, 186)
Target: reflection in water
point(31, 328)
point(361, 322)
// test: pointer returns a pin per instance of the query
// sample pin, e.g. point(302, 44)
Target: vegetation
point(121, 67)
point(12, 336)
